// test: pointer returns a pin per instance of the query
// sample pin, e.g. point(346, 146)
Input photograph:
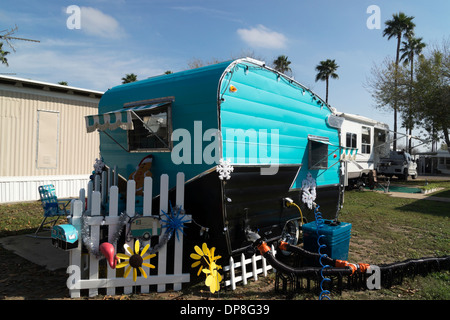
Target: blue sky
point(149, 37)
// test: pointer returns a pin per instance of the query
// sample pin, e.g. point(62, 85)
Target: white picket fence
point(84, 269)
point(238, 270)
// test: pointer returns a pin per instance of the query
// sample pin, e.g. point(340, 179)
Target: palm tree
point(3, 55)
point(129, 77)
point(412, 47)
point(400, 25)
point(325, 70)
point(281, 64)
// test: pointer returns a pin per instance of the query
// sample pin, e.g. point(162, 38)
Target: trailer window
point(351, 140)
point(365, 140)
point(152, 130)
point(318, 153)
point(381, 136)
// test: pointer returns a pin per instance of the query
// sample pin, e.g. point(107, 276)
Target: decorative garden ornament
point(134, 260)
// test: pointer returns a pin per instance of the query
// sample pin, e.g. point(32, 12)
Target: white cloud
point(96, 23)
point(263, 37)
point(87, 67)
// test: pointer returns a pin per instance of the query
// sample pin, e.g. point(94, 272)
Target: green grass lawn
point(398, 228)
point(387, 229)
point(20, 218)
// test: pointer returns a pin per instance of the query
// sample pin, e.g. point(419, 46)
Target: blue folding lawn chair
point(53, 207)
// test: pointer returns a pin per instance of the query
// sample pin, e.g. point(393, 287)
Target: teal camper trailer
point(249, 140)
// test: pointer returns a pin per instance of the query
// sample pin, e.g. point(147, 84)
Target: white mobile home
point(43, 138)
point(369, 137)
point(434, 162)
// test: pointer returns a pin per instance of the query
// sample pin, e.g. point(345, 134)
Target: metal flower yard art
point(175, 221)
point(134, 260)
point(213, 278)
point(206, 261)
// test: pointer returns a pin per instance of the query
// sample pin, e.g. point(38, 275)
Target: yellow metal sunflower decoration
point(207, 261)
point(134, 260)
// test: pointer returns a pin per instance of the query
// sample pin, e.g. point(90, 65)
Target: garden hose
point(311, 256)
point(288, 204)
point(267, 253)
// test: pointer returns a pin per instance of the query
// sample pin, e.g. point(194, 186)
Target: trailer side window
point(152, 129)
point(365, 140)
point(351, 140)
point(318, 152)
point(381, 136)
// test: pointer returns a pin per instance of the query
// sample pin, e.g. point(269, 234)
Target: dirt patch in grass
point(24, 280)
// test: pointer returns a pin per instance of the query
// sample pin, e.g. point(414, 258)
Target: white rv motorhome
point(370, 138)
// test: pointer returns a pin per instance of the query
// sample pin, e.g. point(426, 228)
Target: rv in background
point(370, 138)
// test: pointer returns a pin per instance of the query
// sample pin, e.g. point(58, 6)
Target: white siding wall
point(76, 150)
point(17, 189)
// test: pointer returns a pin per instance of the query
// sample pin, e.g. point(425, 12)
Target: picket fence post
point(113, 212)
point(74, 269)
point(179, 201)
point(130, 207)
point(163, 206)
point(147, 211)
point(95, 234)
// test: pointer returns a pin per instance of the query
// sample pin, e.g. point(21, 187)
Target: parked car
point(399, 164)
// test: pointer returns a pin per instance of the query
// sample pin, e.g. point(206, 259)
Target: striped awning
point(114, 119)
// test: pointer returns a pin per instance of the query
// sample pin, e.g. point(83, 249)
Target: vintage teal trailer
point(280, 138)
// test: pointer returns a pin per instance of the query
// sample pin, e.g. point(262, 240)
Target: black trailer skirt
point(223, 210)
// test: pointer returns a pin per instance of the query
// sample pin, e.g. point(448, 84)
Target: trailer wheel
point(146, 236)
point(290, 233)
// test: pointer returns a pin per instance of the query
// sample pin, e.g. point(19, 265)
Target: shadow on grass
point(443, 194)
point(427, 207)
